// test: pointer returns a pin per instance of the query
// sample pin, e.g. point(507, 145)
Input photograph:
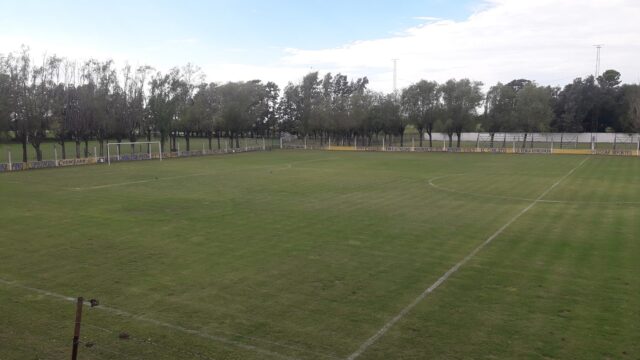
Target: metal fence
point(96, 160)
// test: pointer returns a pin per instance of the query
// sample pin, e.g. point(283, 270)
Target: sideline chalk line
point(383, 330)
point(179, 328)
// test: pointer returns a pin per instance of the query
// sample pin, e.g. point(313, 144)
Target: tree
point(630, 119)
point(390, 112)
point(576, 108)
point(309, 94)
point(609, 79)
point(499, 109)
point(161, 105)
point(241, 103)
point(461, 99)
point(533, 111)
point(421, 104)
point(5, 107)
point(19, 71)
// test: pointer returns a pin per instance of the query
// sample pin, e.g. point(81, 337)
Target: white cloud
point(549, 41)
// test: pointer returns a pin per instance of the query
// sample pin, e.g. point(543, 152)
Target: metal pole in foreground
point(76, 331)
point(10, 166)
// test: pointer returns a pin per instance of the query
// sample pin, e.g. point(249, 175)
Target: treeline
point(64, 100)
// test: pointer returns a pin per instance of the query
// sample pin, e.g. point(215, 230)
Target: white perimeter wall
point(555, 137)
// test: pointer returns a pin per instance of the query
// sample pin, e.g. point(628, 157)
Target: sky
point(549, 41)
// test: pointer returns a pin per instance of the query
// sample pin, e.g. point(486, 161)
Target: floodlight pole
point(76, 331)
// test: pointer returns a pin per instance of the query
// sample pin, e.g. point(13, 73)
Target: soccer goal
point(126, 151)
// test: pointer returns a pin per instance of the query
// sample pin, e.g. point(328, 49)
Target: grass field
point(325, 255)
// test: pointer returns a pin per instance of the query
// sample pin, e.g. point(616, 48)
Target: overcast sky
point(550, 41)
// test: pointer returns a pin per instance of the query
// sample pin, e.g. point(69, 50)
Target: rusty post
point(76, 331)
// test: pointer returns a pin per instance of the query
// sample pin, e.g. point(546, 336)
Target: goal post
point(147, 155)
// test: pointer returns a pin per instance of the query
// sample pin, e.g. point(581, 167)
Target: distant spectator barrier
point(19, 166)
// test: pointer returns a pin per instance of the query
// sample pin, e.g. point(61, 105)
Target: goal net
point(127, 151)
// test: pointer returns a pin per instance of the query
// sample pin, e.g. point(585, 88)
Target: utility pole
point(598, 48)
point(395, 75)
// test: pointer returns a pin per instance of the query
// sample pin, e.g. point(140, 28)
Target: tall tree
point(395, 122)
point(461, 99)
point(630, 120)
point(161, 106)
point(533, 110)
point(421, 104)
point(499, 109)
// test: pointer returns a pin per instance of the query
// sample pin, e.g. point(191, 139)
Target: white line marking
point(383, 330)
point(176, 327)
point(577, 202)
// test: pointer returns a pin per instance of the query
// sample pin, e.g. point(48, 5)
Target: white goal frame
point(133, 143)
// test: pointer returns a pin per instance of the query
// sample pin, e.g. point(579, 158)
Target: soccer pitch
point(325, 255)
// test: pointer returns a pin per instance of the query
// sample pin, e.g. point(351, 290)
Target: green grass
point(308, 254)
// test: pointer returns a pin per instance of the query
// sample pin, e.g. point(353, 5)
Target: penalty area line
point(179, 328)
point(385, 328)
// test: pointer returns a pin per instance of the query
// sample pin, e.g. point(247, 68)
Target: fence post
point(245, 144)
point(95, 154)
point(202, 148)
point(178, 149)
point(264, 145)
point(76, 330)
point(383, 147)
point(55, 155)
point(355, 143)
point(305, 142)
point(413, 144)
point(108, 154)
point(514, 146)
point(10, 166)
